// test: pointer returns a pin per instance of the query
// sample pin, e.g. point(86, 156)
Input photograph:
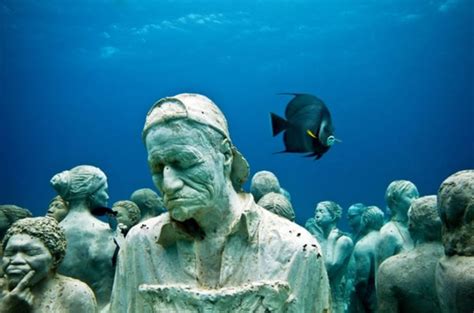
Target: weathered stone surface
point(455, 270)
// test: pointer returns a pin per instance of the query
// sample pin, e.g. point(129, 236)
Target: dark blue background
point(77, 78)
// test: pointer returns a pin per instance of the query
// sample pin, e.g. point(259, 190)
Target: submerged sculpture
point(149, 202)
point(455, 270)
point(264, 182)
point(337, 250)
point(9, 214)
point(90, 241)
point(363, 263)
point(278, 204)
point(215, 245)
point(58, 208)
point(394, 235)
point(128, 215)
point(406, 281)
point(34, 248)
point(354, 218)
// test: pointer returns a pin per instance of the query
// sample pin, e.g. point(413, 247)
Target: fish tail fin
point(279, 124)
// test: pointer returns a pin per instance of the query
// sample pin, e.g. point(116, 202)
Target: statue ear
point(226, 150)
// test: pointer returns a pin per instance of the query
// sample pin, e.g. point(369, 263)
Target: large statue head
point(83, 182)
point(399, 196)
point(327, 213)
point(128, 213)
point(191, 155)
point(58, 208)
point(278, 204)
point(424, 223)
point(371, 219)
point(262, 183)
point(37, 244)
point(354, 217)
point(149, 202)
point(9, 214)
point(456, 209)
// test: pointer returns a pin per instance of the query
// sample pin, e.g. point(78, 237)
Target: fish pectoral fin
point(311, 134)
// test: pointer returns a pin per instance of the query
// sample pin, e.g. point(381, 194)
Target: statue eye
point(157, 168)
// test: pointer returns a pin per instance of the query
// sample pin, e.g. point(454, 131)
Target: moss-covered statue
point(363, 264)
point(455, 270)
point(149, 202)
point(215, 250)
point(33, 250)
point(90, 241)
point(406, 281)
point(337, 250)
point(394, 235)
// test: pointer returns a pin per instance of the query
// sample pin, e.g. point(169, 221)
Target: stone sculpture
point(278, 204)
point(58, 208)
point(406, 281)
point(354, 218)
point(128, 214)
point(149, 202)
point(9, 214)
point(394, 235)
point(264, 182)
point(90, 241)
point(214, 245)
point(363, 299)
point(455, 270)
point(337, 250)
point(34, 247)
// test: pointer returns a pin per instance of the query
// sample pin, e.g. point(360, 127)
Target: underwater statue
point(127, 215)
point(406, 281)
point(337, 250)
point(90, 241)
point(58, 208)
point(363, 263)
point(354, 219)
point(34, 248)
point(455, 270)
point(9, 214)
point(278, 204)
point(394, 235)
point(215, 250)
point(308, 126)
point(263, 182)
point(149, 202)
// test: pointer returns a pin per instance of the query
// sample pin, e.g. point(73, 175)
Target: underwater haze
point(77, 78)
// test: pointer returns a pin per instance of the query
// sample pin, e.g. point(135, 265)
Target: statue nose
point(171, 180)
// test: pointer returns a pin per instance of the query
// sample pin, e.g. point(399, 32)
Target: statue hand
point(20, 299)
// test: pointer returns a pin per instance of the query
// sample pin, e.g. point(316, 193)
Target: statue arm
point(341, 253)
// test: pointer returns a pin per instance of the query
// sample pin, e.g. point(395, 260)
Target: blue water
point(77, 78)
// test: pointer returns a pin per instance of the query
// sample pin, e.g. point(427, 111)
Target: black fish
point(101, 211)
point(308, 126)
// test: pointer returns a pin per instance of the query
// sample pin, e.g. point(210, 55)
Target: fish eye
point(331, 140)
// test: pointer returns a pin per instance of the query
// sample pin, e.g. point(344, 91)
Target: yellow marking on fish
point(311, 134)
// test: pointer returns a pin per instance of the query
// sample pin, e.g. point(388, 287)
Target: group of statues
point(220, 249)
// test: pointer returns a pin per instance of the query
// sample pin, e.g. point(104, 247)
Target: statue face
point(322, 216)
point(187, 170)
point(406, 198)
point(100, 197)
point(354, 218)
point(123, 216)
point(57, 210)
point(22, 254)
